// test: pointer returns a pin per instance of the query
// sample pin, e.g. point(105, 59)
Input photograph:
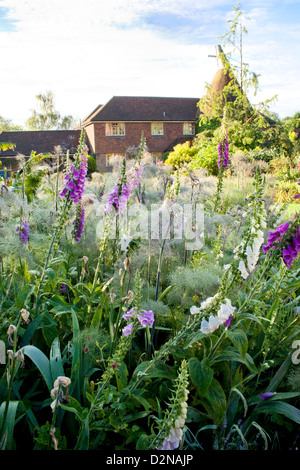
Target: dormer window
point(114, 128)
point(188, 128)
point(157, 128)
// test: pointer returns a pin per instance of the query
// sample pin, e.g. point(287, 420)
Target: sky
point(86, 51)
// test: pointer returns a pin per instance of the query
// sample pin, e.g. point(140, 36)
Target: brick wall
point(101, 144)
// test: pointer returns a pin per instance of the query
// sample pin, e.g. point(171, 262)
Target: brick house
point(116, 127)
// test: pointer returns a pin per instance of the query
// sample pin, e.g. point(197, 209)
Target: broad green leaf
point(32, 327)
point(201, 375)
point(263, 433)
point(137, 395)
point(121, 376)
point(56, 365)
point(277, 396)
point(73, 407)
point(195, 337)
point(280, 374)
point(239, 339)
point(215, 402)
point(50, 273)
point(76, 361)
point(9, 422)
point(143, 442)
point(160, 370)
point(84, 436)
point(42, 363)
point(239, 393)
point(165, 292)
point(234, 355)
point(280, 407)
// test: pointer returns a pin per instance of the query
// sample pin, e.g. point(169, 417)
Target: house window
point(188, 129)
point(157, 128)
point(114, 128)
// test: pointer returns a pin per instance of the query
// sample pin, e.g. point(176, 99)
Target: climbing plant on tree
point(250, 127)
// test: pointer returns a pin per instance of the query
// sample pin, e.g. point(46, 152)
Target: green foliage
point(46, 117)
point(206, 155)
point(285, 168)
point(29, 178)
point(92, 165)
point(181, 155)
point(127, 391)
point(6, 125)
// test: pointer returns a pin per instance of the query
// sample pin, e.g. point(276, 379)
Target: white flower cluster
point(225, 311)
point(175, 435)
point(252, 252)
point(205, 304)
point(124, 242)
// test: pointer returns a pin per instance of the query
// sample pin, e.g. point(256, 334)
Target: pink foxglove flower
point(127, 330)
point(146, 317)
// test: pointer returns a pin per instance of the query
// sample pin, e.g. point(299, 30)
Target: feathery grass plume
point(202, 281)
point(170, 433)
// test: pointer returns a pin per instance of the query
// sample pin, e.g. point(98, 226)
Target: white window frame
point(157, 128)
point(188, 128)
point(114, 129)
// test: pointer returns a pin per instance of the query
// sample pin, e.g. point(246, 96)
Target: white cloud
point(86, 51)
point(87, 54)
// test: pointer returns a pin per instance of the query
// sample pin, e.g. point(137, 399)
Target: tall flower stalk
point(170, 432)
point(117, 201)
point(71, 194)
point(223, 160)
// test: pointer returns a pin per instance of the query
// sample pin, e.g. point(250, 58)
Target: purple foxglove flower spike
point(75, 179)
point(78, 223)
point(23, 231)
point(223, 151)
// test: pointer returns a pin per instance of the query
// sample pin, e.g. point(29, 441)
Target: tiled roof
point(40, 141)
point(137, 108)
point(91, 115)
